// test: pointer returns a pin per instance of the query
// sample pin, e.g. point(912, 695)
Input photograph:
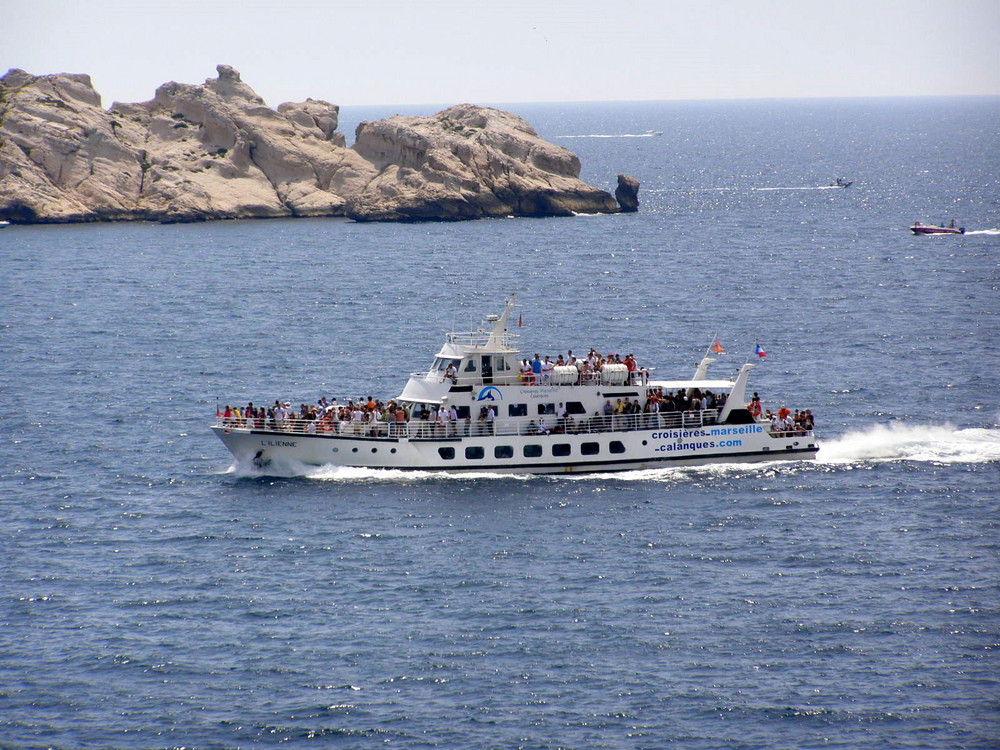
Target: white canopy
point(674, 385)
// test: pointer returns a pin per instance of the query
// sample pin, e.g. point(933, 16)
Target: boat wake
point(647, 134)
point(902, 442)
point(983, 231)
point(803, 187)
point(747, 189)
point(285, 468)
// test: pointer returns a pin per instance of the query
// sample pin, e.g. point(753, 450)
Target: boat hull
point(281, 452)
point(937, 230)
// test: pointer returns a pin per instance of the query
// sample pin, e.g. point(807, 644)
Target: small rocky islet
point(217, 151)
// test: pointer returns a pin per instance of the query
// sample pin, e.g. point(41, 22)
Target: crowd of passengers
point(538, 371)
point(784, 421)
point(373, 418)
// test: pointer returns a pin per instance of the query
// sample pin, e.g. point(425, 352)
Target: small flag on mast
point(759, 351)
point(717, 347)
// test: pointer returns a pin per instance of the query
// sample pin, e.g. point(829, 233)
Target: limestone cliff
point(216, 151)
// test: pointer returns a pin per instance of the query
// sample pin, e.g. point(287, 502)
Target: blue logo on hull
point(490, 393)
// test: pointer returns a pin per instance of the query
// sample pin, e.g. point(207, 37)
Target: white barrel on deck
point(563, 375)
point(614, 374)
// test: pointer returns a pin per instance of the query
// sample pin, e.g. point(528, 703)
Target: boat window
point(532, 451)
point(560, 449)
point(575, 407)
point(441, 363)
point(590, 449)
point(500, 364)
point(446, 453)
point(463, 412)
point(474, 451)
point(616, 446)
point(517, 410)
point(503, 451)
point(546, 408)
point(471, 364)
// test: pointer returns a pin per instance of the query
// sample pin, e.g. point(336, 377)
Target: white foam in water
point(899, 441)
point(335, 473)
point(983, 231)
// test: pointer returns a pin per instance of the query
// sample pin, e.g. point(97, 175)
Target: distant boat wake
point(983, 231)
point(648, 134)
point(804, 187)
point(748, 189)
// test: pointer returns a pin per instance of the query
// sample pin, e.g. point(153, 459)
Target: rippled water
point(154, 597)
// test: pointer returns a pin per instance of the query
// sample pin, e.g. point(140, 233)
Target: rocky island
point(217, 151)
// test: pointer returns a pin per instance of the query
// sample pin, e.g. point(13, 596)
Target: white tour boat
point(476, 410)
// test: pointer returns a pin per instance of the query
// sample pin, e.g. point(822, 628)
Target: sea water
point(152, 595)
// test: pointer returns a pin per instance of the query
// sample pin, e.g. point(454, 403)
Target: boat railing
point(481, 338)
point(545, 424)
point(638, 378)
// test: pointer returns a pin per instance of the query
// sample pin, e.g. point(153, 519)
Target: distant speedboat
point(842, 183)
point(654, 132)
point(4, 223)
point(919, 228)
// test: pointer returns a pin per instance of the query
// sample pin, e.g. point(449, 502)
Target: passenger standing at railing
point(631, 366)
point(491, 416)
point(536, 370)
point(547, 366)
point(358, 419)
point(525, 372)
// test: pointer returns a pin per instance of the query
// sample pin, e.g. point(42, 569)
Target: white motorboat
point(483, 407)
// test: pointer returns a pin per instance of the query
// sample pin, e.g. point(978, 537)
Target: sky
point(389, 52)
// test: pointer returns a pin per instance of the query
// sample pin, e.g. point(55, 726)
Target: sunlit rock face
point(216, 151)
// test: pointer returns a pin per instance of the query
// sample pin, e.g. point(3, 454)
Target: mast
point(702, 370)
point(737, 396)
point(498, 335)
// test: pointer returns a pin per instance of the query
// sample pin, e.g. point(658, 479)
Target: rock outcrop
point(627, 193)
point(468, 162)
point(216, 151)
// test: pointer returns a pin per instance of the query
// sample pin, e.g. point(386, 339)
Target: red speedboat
point(919, 228)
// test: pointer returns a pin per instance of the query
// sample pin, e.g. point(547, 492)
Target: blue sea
point(152, 595)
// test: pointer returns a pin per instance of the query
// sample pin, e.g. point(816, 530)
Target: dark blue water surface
point(153, 597)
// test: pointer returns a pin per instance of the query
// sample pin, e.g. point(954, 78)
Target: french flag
point(759, 351)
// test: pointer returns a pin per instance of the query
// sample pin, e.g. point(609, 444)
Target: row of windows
point(521, 410)
point(559, 450)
